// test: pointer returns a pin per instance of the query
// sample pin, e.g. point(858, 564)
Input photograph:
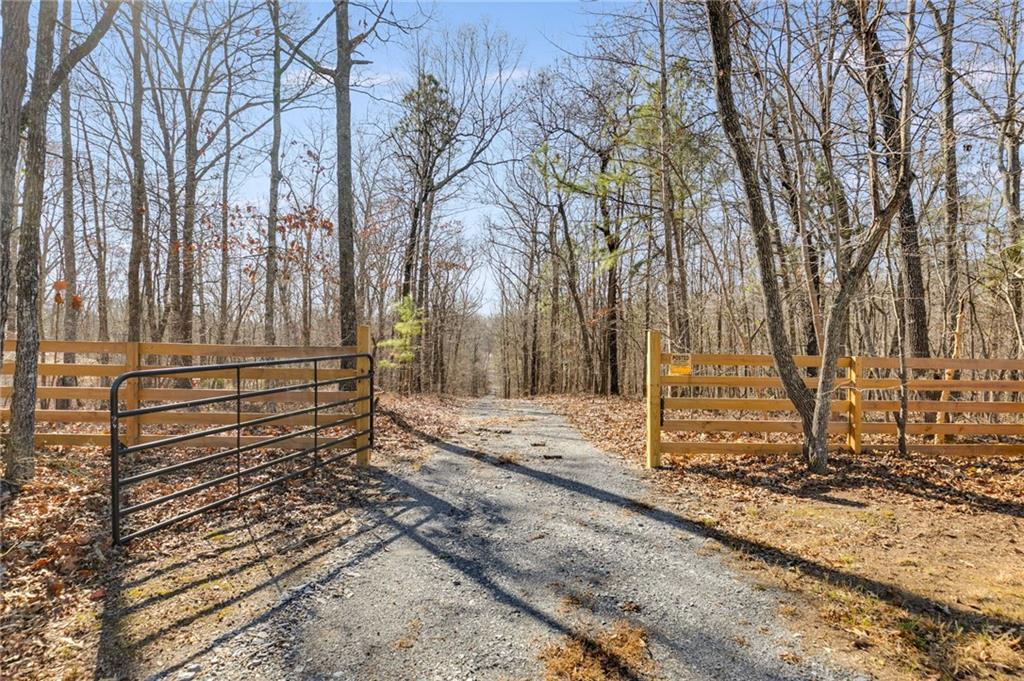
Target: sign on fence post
point(363, 390)
point(653, 399)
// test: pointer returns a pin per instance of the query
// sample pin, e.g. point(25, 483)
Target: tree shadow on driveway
point(403, 517)
point(210, 578)
point(433, 528)
point(939, 613)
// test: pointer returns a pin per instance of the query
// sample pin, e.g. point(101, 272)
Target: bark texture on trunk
point(68, 196)
point(20, 453)
point(13, 80)
point(679, 323)
point(718, 22)
point(225, 190)
point(269, 316)
point(138, 188)
point(346, 215)
point(951, 204)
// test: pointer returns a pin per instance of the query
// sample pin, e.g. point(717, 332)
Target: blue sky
point(544, 30)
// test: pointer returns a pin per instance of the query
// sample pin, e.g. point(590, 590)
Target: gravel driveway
point(502, 542)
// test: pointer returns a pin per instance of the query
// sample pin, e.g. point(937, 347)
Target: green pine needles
point(401, 348)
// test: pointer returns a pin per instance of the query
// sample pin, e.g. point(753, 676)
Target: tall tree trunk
point(610, 376)
point(346, 215)
point(151, 261)
point(269, 334)
point(951, 204)
point(138, 188)
point(19, 455)
point(572, 280)
point(190, 189)
point(910, 249)
point(678, 326)
point(423, 274)
point(719, 21)
point(225, 189)
point(71, 296)
point(174, 247)
point(13, 79)
point(306, 294)
point(683, 285)
point(613, 322)
point(429, 328)
point(411, 243)
point(99, 239)
point(553, 319)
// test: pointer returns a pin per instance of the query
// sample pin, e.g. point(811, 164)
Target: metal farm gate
point(253, 448)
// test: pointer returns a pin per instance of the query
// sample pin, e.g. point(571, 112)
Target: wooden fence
point(84, 417)
point(713, 403)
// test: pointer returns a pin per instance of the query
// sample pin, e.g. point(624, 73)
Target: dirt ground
point(62, 580)
point(910, 569)
point(517, 550)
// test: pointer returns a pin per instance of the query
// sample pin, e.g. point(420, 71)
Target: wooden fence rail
point(710, 399)
point(97, 363)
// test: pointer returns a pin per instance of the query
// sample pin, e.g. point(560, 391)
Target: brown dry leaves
point(405, 425)
point(58, 565)
point(616, 653)
point(55, 552)
point(860, 541)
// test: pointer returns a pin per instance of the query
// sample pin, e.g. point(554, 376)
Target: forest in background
point(872, 151)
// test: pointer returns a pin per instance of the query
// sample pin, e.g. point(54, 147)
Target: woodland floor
point(73, 608)
point(488, 541)
point(908, 569)
point(491, 541)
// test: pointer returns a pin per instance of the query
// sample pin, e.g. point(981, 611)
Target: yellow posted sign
point(680, 366)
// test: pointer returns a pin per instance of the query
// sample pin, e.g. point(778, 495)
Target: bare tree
point(340, 76)
point(19, 454)
point(72, 299)
point(138, 187)
point(13, 79)
point(270, 282)
point(815, 408)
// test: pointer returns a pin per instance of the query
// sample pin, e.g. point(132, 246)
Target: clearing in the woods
point(501, 545)
point(510, 549)
point(499, 539)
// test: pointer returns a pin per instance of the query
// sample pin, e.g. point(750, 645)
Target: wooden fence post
point(856, 412)
point(653, 398)
point(363, 390)
point(950, 373)
point(131, 392)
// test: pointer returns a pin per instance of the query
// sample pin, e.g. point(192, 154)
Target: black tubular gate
point(119, 450)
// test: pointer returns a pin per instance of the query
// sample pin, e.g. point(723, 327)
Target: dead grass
point(411, 636)
point(911, 569)
point(509, 458)
point(616, 653)
point(572, 601)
